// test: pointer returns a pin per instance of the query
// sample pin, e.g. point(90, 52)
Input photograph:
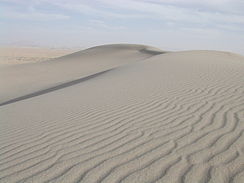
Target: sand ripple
point(174, 117)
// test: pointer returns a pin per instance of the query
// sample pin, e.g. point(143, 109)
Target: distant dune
point(15, 55)
point(124, 113)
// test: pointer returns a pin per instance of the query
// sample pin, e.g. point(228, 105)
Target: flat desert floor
point(18, 55)
point(123, 113)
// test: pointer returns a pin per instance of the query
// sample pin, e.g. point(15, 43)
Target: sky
point(167, 24)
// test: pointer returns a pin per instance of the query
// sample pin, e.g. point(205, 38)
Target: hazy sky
point(168, 24)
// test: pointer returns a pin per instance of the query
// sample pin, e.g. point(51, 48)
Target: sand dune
point(124, 113)
point(31, 78)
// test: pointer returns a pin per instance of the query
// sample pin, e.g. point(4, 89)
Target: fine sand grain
point(124, 113)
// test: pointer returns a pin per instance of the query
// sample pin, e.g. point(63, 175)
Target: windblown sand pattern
point(124, 113)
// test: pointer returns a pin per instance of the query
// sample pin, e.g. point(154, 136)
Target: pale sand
point(124, 113)
point(15, 55)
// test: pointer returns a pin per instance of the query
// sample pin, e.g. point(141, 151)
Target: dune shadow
point(58, 87)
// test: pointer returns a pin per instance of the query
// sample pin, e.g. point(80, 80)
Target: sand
point(23, 55)
point(124, 113)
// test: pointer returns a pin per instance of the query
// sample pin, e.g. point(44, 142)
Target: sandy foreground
point(123, 113)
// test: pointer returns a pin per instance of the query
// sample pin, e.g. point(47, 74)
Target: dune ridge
point(156, 117)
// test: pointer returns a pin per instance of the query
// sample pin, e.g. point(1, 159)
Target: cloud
point(175, 10)
point(187, 11)
point(101, 24)
point(215, 13)
point(20, 10)
point(35, 16)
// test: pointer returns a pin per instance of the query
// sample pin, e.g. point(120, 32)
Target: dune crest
point(153, 117)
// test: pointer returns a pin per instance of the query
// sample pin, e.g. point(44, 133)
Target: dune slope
point(173, 117)
point(24, 80)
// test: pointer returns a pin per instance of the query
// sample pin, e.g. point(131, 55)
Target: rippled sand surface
point(124, 113)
